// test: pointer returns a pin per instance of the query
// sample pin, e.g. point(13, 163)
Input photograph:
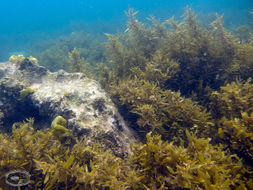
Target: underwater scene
point(126, 95)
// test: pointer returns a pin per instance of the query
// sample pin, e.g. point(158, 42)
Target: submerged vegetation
point(233, 108)
point(160, 109)
point(54, 164)
point(186, 87)
point(55, 54)
point(20, 58)
point(165, 73)
point(183, 55)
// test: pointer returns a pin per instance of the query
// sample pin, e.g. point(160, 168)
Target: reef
point(28, 90)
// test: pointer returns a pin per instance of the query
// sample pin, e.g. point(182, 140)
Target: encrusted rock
point(29, 90)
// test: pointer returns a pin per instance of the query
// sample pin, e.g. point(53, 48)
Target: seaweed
point(233, 99)
point(242, 66)
point(199, 165)
point(160, 109)
point(171, 57)
point(238, 134)
point(78, 64)
point(232, 107)
point(197, 58)
point(134, 48)
point(244, 33)
point(52, 164)
point(203, 55)
point(17, 59)
point(75, 61)
point(24, 93)
point(59, 129)
point(159, 69)
point(156, 164)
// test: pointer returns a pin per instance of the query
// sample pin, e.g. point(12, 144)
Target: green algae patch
point(59, 128)
point(17, 59)
point(24, 93)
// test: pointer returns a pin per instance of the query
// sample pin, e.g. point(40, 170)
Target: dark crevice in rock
point(25, 110)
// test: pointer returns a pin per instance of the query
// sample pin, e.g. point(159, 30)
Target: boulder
point(28, 90)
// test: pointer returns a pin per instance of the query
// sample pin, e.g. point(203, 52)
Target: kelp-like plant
point(244, 33)
point(234, 106)
point(53, 164)
point(161, 109)
point(159, 69)
point(243, 61)
point(203, 55)
point(199, 165)
point(203, 58)
point(25, 147)
point(141, 72)
point(238, 133)
point(78, 64)
point(134, 48)
point(75, 61)
point(233, 99)
point(145, 40)
point(168, 57)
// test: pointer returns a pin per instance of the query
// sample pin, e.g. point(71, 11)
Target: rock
point(29, 90)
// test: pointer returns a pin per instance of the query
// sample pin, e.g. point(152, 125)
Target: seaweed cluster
point(199, 165)
point(233, 108)
point(149, 65)
point(51, 160)
point(15, 59)
point(56, 164)
point(24, 93)
point(192, 57)
point(244, 33)
point(144, 66)
point(162, 111)
point(177, 75)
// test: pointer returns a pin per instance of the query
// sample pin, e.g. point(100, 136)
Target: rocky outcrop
point(29, 90)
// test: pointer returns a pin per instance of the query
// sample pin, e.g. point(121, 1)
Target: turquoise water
point(27, 22)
